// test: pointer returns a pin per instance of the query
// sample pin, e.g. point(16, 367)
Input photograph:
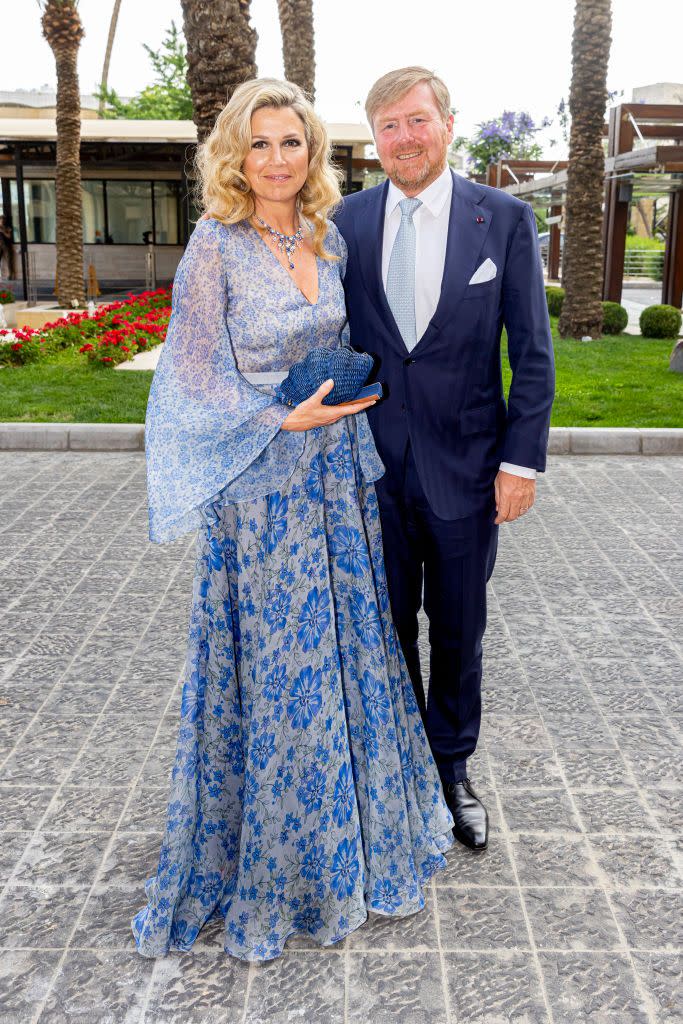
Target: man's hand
point(514, 496)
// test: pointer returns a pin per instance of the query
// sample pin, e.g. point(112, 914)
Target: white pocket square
point(486, 272)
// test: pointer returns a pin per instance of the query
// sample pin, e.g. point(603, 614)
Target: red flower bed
point(114, 333)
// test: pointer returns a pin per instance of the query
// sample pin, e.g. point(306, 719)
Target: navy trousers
point(450, 561)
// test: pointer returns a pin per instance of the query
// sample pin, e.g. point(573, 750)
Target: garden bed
point(619, 381)
point(114, 333)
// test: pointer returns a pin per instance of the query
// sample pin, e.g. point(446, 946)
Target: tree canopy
point(168, 97)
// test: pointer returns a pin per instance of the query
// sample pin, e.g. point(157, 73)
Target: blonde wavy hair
point(222, 189)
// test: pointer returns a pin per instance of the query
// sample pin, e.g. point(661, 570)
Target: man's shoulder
point(493, 198)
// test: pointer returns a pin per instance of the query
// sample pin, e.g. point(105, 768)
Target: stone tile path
point(574, 914)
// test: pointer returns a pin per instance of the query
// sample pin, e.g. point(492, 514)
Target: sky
point(493, 55)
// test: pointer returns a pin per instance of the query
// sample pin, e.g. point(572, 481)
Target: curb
point(614, 441)
point(75, 437)
point(125, 437)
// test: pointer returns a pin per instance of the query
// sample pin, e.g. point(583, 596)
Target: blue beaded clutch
point(348, 369)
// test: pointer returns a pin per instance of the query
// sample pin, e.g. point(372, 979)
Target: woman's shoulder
point(210, 226)
point(215, 235)
point(334, 240)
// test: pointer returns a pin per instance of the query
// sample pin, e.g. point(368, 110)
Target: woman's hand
point(312, 412)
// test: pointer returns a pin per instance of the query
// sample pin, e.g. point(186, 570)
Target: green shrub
point(6, 297)
point(554, 298)
point(660, 322)
point(614, 318)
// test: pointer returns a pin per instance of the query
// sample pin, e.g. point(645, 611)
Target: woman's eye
point(292, 142)
point(259, 144)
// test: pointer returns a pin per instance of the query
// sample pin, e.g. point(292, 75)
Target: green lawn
point(69, 390)
point(621, 381)
point(617, 381)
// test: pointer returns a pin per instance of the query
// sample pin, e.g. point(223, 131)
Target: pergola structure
point(644, 159)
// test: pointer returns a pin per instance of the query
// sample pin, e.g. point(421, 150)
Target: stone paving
point(575, 913)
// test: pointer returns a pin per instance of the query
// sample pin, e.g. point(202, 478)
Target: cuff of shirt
point(508, 467)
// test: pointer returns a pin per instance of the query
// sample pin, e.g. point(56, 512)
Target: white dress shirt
point(431, 235)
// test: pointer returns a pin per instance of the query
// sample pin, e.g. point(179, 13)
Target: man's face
point(412, 138)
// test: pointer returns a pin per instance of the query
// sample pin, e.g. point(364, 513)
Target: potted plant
point(9, 307)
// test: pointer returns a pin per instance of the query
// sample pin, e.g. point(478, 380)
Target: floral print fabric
point(303, 792)
point(235, 310)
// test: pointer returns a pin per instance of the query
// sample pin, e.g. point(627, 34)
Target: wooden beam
point(661, 131)
point(620, 140)
point(552, 181)
point(660, 157)
point(646, 113)
point(533, 165)
point(672, 279)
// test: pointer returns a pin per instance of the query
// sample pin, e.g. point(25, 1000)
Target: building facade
point(136, 193)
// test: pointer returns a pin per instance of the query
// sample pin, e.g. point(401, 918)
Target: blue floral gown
point(304, 792)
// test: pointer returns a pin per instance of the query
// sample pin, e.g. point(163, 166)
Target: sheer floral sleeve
point(208, 430)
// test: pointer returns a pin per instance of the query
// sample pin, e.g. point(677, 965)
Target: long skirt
point(304, 793)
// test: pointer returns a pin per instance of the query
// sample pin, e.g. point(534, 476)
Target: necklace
point(285, 243)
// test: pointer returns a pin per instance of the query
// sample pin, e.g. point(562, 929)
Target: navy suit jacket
point(446, 395)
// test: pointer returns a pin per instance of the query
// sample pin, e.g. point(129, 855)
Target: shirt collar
point(433, 197)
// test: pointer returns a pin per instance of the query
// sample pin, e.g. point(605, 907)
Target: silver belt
point(276, 377)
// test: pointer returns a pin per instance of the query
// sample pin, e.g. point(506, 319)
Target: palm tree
point(107, 55)
point(221, 53)
point(582, 257)
point(63, 30)
point(298, 43)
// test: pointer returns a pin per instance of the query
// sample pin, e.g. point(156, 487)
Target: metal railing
point(644, 263)
point(647, 263)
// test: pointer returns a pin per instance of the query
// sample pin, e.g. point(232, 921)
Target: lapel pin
point(480, 220)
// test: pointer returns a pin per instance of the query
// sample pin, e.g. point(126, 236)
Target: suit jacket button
point(408, 362)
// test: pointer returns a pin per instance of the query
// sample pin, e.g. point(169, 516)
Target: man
point(437, 265)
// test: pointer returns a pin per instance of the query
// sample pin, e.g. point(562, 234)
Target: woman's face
point(276, 167)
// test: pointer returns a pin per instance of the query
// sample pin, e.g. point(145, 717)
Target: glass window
point(166, 212)
point(41, 210)
point(129, 208)
point(93, 211)
point(14, 207)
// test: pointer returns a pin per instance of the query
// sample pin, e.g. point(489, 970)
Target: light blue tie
point(401, 274)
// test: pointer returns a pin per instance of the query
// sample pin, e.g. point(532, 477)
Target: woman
point(303, 792)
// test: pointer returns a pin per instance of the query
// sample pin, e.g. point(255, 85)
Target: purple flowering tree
point(512, 135)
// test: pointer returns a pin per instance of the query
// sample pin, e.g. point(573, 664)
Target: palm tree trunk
point(69, 202)
point(298, 43)
point(69, 231)
point(582, 259)
point(107, 55)
point(221, 53)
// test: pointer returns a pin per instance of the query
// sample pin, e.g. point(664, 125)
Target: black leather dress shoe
point(470, 816)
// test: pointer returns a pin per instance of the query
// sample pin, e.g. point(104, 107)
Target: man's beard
point(430, 170)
